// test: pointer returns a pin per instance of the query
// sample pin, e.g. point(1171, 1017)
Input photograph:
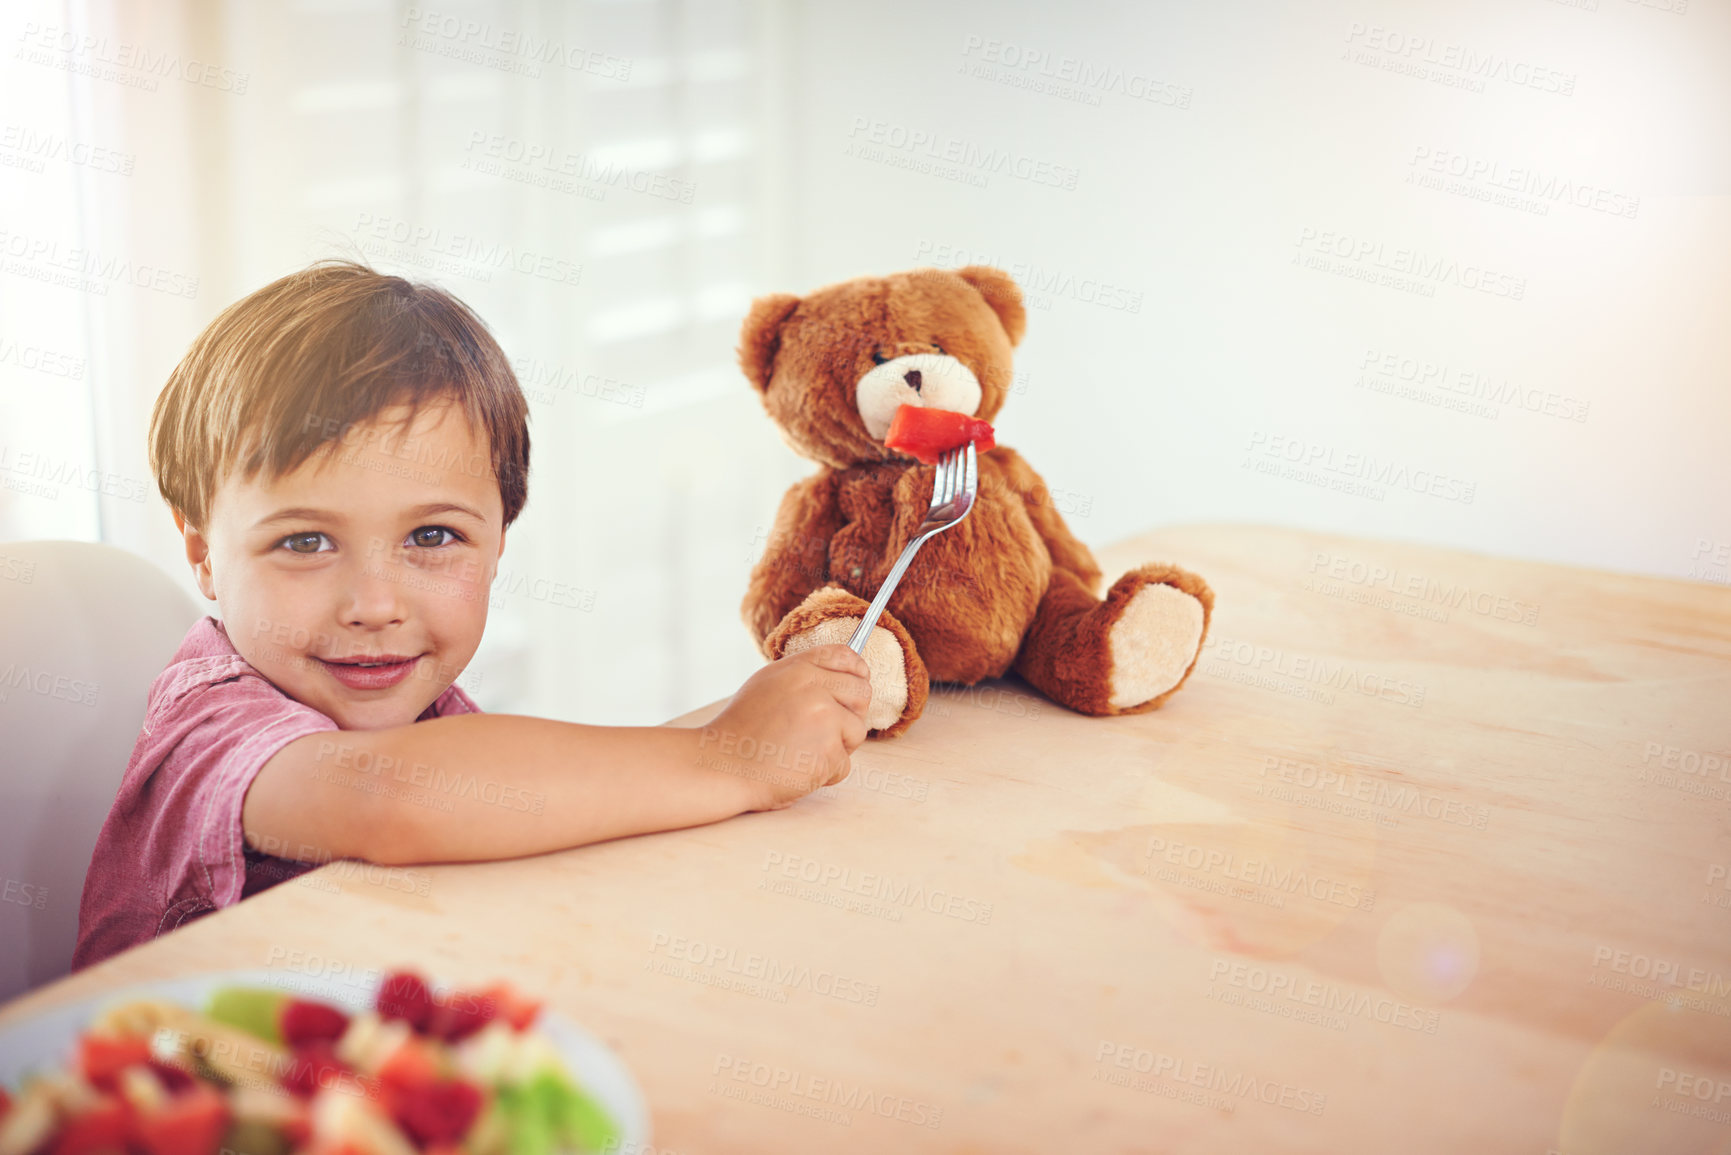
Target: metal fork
point(954, 487)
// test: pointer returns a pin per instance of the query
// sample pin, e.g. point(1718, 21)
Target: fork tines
point(958, 473)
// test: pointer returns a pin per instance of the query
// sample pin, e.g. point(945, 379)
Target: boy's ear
point(760, 336)
point(1002, 294)
point(197, 554)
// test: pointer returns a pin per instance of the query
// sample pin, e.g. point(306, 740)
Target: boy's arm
point(485, 786)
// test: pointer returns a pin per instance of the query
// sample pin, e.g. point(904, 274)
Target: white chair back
point(84, 630)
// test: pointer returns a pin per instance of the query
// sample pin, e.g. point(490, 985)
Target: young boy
point(343, 452)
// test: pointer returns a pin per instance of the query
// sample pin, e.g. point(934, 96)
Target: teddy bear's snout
point(932, 380)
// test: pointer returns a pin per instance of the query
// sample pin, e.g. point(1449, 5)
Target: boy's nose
point(374, 599)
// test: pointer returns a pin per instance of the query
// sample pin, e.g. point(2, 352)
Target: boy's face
point(358, 583)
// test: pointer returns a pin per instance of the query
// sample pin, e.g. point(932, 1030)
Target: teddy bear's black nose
point(912, 377)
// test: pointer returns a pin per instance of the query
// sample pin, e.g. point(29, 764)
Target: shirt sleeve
point(232, 728)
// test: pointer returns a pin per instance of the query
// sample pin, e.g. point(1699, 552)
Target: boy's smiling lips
point(378, 672)
point(371, 660)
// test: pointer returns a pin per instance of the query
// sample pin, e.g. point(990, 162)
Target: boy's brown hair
point(303, 361)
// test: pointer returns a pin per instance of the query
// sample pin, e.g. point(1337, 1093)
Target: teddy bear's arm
point(795, 559)
point(1068, 552)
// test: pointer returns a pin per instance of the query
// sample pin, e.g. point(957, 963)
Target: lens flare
point(1428, 952)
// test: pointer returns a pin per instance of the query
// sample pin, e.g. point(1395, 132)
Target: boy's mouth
point(373, 660)
point(380, 672)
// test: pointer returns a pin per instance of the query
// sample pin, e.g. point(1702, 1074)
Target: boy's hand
point(792, 725)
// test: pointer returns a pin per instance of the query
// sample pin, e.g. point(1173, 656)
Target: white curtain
point(598, 180)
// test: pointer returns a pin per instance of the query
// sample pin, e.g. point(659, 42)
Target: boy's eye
point(306, 542)
point(432, 536)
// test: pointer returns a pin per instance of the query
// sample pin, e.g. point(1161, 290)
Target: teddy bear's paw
point(1157, 635)
point(883, 653)
point(898, 677)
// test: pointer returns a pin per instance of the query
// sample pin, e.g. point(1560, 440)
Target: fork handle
point(876, 609)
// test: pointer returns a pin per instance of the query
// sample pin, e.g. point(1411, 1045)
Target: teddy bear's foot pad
point(1153, 642)
point(883, 653)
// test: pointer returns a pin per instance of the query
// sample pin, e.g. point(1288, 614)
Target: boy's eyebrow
point(307, 513)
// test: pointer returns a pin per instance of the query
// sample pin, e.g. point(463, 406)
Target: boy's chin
point(382, 715)
point(351, 711)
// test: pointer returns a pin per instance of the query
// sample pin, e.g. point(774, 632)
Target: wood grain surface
point(1431, 854)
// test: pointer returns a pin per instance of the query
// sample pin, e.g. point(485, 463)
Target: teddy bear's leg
point(898, 677)
point(1121, 655)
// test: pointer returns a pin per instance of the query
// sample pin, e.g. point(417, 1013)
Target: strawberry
point(173, 1078)
point(438, 1112)
point(404, 995)
point(305, 1022)
point(315, 1065)
point(461, 1015)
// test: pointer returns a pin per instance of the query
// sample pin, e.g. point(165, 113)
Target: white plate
point(48, 1040)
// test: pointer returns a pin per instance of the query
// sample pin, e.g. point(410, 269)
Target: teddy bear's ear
point(760, 336)
point(1002, 294)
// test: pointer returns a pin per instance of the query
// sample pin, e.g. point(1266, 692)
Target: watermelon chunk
point(514, 1006)
point(413, 1063)
point(101, 1058)
point(193, 1123)
point(102, 1128)
point(926, 433)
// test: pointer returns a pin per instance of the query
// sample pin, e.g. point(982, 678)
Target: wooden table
point(1430, 855)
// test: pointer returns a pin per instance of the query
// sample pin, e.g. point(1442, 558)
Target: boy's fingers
point(846, 677)
point(853, 734)
point(841, 767)
point(854, 693)
point(839, 658)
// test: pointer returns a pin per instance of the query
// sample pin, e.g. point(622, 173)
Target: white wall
point(1269, 121)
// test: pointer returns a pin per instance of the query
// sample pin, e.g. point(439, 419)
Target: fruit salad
point(926, 434)
point(262, 1072)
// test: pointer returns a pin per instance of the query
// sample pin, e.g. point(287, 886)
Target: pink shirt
point(171, 848)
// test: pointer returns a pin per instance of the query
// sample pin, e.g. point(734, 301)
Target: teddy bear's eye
point(939, 348)
point(878, 358)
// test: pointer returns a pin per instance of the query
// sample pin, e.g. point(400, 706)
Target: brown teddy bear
point(1010, 587)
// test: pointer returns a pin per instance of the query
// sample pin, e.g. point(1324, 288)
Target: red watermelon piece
point(925, 433)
